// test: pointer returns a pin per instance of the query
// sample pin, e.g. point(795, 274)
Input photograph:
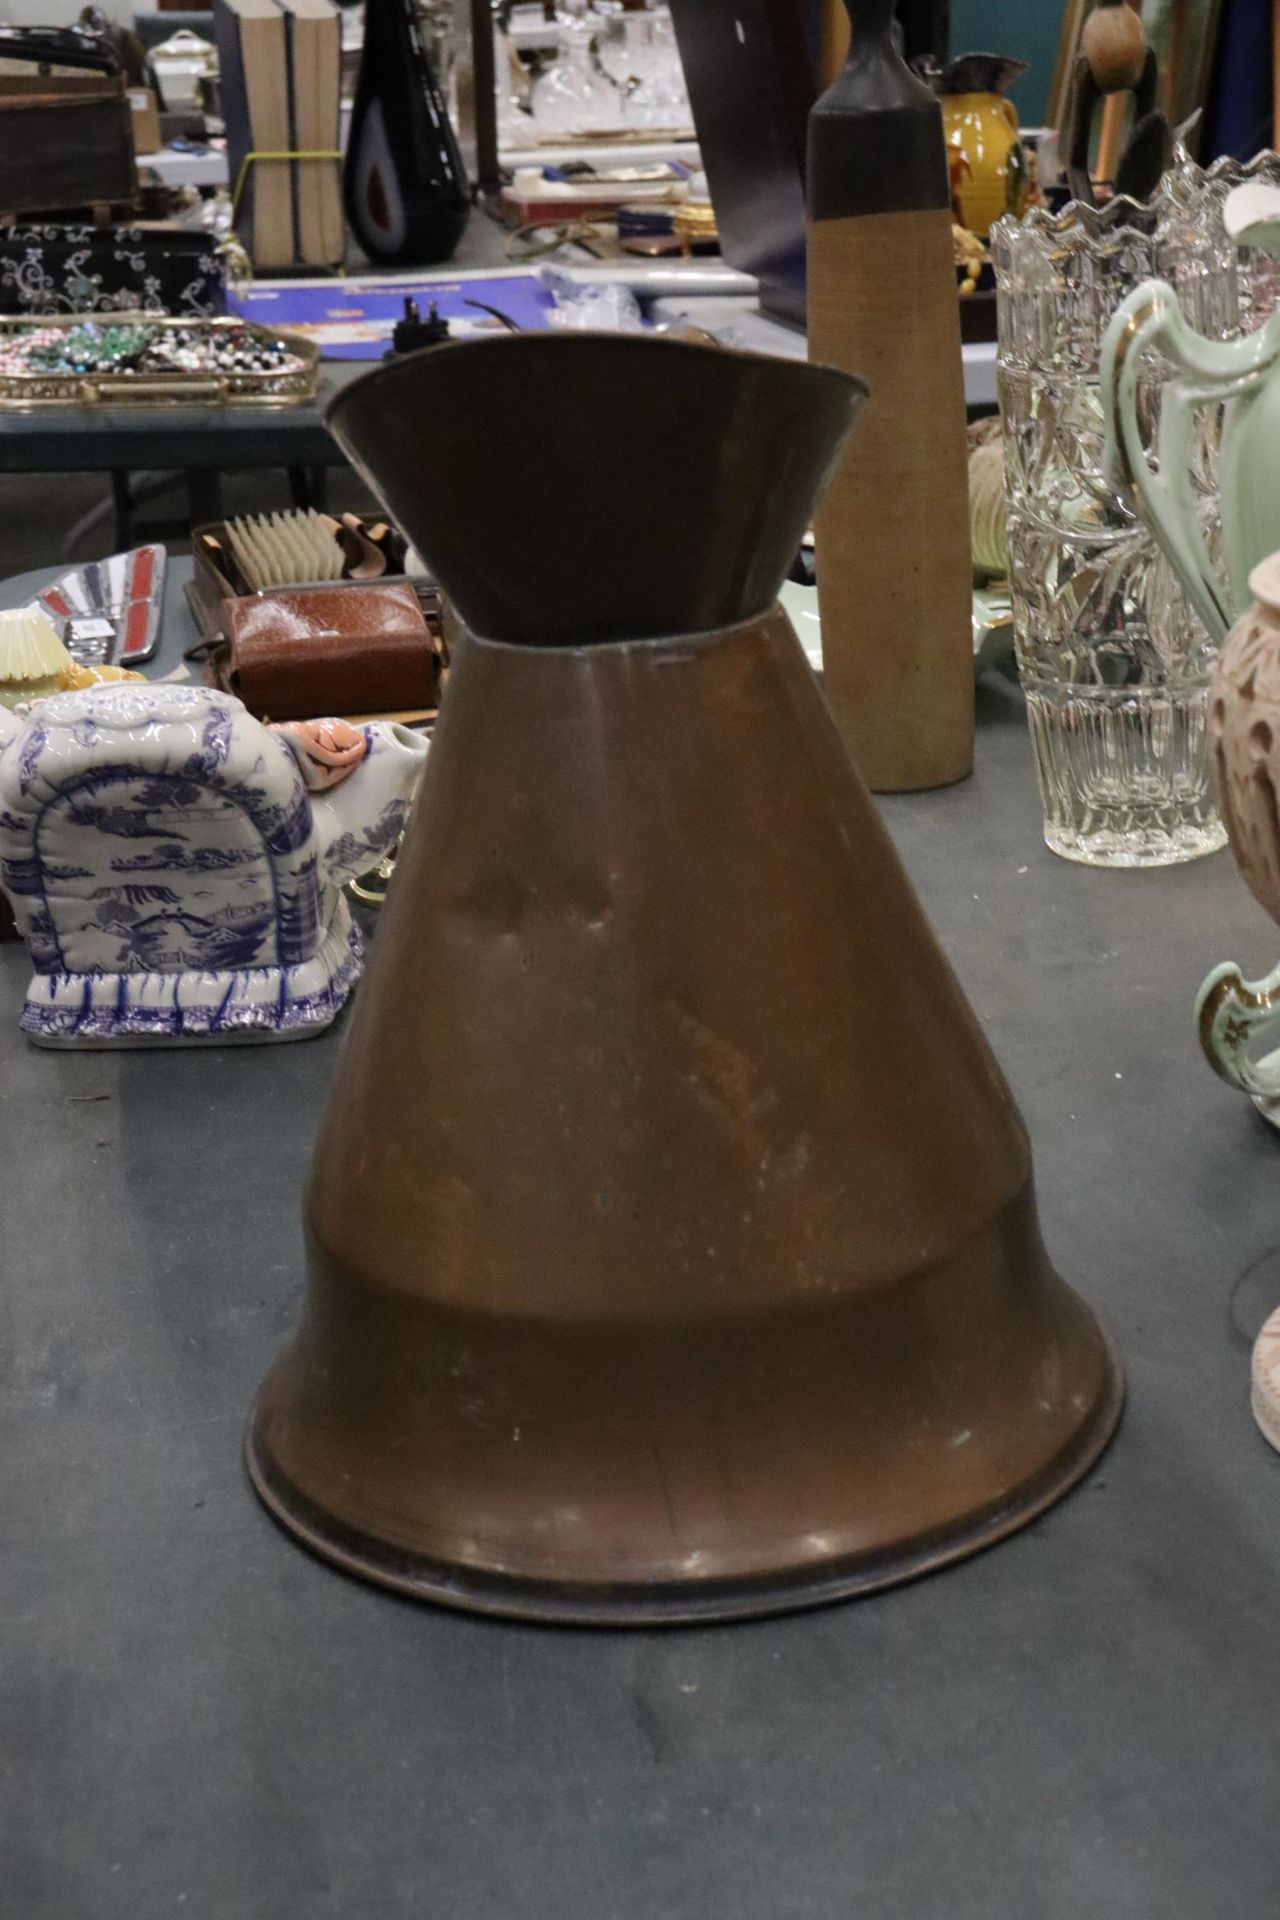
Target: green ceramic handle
point(1210, 371)
point(1230, 1012)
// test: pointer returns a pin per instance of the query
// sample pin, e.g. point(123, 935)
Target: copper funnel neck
point(672, 1243)
point(535, 473)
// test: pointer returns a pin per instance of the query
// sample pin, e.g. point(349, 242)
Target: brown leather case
point(293, 655)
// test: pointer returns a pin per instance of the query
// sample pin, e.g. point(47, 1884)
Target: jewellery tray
point(287, 389)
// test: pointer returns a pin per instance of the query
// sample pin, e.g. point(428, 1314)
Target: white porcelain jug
point(1243, 374)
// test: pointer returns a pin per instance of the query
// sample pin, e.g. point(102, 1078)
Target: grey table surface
point(221, 439)
point(128, 439)
point(200, 1719)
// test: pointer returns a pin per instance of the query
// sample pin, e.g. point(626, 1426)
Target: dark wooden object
point(66, 141)
point(484, 82)
point(751, 86)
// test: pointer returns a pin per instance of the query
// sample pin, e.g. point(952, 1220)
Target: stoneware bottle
point(672, 1245)
point(894, 582)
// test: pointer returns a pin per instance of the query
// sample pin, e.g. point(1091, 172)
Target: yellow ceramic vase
point(984, 154)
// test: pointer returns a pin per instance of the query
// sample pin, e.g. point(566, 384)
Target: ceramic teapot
point(1243, 374)
point(1244, 732)
point(176, 868)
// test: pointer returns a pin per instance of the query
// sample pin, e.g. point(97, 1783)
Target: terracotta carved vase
point(1244, 736)
point(1234, 1015)
point(672, 1246)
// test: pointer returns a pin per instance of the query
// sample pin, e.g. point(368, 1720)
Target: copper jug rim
point(624, 345)
point(687, 642)
point(684, 520)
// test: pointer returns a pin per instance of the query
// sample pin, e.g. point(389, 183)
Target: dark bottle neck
point(875, 78)
point(870, 19)
point(875, 137)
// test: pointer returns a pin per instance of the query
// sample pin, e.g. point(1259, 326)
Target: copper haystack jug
point(673, 1251)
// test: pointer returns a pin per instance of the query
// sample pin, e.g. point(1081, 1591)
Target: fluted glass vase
point(1114, 663)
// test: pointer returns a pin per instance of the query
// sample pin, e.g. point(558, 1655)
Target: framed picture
point(1058, 105)
point(1183, 34)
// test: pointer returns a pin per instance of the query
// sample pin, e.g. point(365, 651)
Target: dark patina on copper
point(672, 1245)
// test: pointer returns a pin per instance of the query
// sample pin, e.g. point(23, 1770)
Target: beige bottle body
point(894, 567)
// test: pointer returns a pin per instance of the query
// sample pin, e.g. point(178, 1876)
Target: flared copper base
point(819, 1581)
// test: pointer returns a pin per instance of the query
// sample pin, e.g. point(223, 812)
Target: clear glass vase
point(576, 96)
point(660, 100)
point(1114, 662)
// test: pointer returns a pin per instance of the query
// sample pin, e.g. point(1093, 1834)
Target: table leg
point(204, 495)
point(307, 487)
point(122, 506)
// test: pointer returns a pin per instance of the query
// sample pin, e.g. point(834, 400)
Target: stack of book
point(280, 64)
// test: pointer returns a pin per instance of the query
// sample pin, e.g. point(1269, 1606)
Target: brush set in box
point(302, 614)
point(285, 549)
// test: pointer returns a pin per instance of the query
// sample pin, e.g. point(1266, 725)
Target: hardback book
point(254, 69)
point(313, 42)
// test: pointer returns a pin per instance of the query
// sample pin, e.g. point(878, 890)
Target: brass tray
point(288, 389)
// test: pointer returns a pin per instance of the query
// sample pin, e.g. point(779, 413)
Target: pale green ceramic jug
point(1243, 374)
